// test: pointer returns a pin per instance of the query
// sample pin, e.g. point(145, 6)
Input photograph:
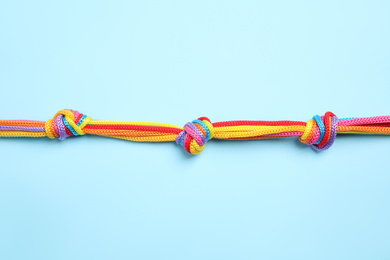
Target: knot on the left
point(195, 135)
point(66, 123)
point(320, 131)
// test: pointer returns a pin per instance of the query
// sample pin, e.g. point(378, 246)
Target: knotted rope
point(319, 132)
point(195, 135)
point(66, 123)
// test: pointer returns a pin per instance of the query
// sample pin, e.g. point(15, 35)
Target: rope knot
point(66, 123)
point(320, 131)
point(195, 135)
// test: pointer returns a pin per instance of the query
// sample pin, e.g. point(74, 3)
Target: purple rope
point(61, 127)
point(22, 128)
point(179, 137)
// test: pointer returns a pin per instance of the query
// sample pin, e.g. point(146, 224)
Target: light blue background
point(173, 61)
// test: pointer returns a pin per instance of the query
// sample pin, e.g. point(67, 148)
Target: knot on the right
point(195, 135)
point(320, 131)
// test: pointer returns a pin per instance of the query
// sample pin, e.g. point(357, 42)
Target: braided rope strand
point(319, 132)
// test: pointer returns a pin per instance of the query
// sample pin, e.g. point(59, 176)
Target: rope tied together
point(320, 131)
point(66, 123)
point(195, 135)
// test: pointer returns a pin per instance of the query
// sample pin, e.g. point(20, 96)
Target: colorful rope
point(319, 132)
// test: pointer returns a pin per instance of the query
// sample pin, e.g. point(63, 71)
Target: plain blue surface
point(99, 198)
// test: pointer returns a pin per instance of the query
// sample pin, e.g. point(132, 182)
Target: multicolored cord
point(319, 132)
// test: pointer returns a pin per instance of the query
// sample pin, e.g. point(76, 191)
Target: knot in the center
point(320, 131)
point(66, 123)
point(195, 135)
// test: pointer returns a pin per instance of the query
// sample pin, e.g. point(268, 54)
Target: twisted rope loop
point(195, 135)
point(320, 132)
point(66, 123)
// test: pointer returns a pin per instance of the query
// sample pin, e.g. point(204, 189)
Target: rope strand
point(319, 132)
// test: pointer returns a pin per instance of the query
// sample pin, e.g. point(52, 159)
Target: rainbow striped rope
point(319, 132)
